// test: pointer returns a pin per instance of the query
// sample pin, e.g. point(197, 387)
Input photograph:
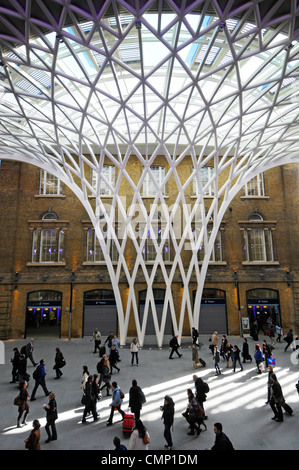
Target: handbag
point(84, 399)
point(142, 398)
point(18, 402)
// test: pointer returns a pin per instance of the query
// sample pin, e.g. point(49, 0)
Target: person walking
point(195, 357)
point(222, 442)
point(29, 352)
point(22, 369)
point(90, 400)
point(85, 375)
point(279, 332)
point(195, 336)
point(113, 359)
point(116, 403)
point(214, 341)
point(267, 352)
point(168, 418)
point(217, 360)
point(100, 366)
point(269, 383)
point(51, 417)
point(223, 346)
point(192, 414)
point(109, 340)
point(289, 339)
point(174, 344)
point(23, 406)
point(39, 376)
point(201, 390)
point(258, 356)
point(277, 400)
point(134, 348)
point(15, 366)
point(59, 363)
point(96, 337)
point(139, 439)
point(237, 353)
point(228, 354)
point(33, 441)
point(106, 377)
point(136, 399)
point(245, 351)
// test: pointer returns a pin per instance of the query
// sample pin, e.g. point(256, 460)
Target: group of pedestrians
point(21, 377)
point(94, 384)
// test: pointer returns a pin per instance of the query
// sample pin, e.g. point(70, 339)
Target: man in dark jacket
point(200, 392)
point(168, 416)
point(289, 339)
point(15, 365)
point(174, 344)
point(222, 442)
point(29, 352)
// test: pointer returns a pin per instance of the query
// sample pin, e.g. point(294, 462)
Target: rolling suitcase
point(203, 363)
point(128, 424)
point(287, 409)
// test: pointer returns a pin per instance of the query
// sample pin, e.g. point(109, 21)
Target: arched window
point(48, 240)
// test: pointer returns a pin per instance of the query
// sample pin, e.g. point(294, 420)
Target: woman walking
point(23, 406)
point(237, 353)
point(192, 414)
point(217, 360)
point(51, 411)
point(168, 417)
point(106, 377)
point(134, 348)
point(59, 363)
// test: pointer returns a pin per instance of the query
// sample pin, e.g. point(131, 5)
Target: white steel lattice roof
point(94, 81)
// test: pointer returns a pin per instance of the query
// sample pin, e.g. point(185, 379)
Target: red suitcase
point(128, 424)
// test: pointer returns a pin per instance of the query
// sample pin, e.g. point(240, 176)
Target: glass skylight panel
point(213, 52)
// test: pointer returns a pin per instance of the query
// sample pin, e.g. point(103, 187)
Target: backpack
point(172, 342)
point(23, 350)
point(35, 374)
point(206, 387)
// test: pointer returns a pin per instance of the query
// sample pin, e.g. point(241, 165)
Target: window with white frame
point(258, 242)
point(94, 252)
point(204, 180)
point(255, 187)
point(106, 179)
point(49, 184)
point(153, 178)
point(48, 244)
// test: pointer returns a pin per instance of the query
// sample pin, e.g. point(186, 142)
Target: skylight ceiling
point(186, 80)
point(83, 83)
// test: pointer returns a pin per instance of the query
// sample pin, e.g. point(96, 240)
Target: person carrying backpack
point(39, 376)
point(173, 343)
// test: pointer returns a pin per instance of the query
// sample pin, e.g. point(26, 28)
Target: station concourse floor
point(237, 400)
